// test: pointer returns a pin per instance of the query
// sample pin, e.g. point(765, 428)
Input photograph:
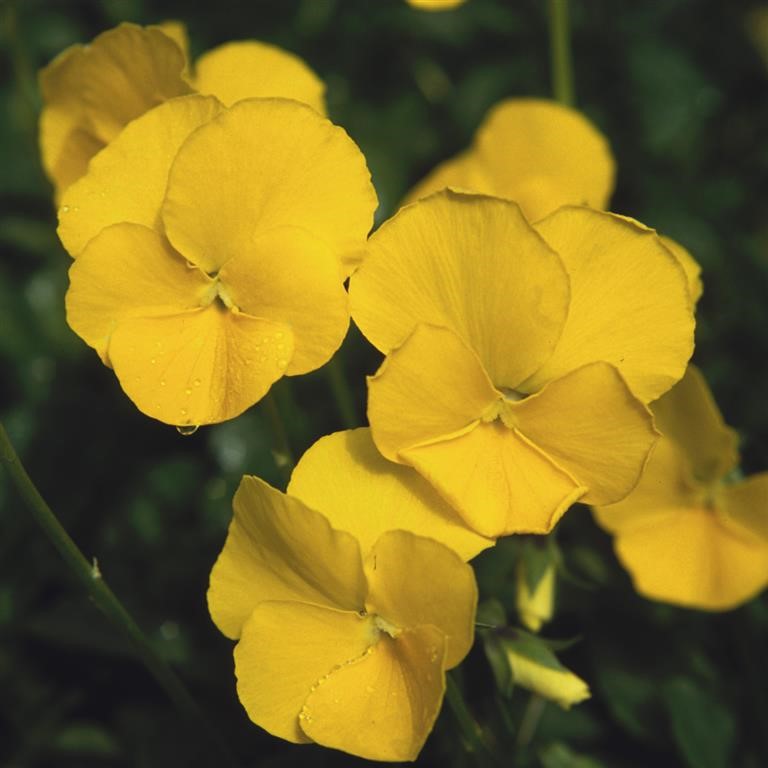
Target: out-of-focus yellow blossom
point(535, 668)
point(91, 92)
point(435, 5)
point(210, 245)
point(535, 606)
point(542, 155)
point(519, 357)
point(687, 535)
point(340, 642)
point(538, 153)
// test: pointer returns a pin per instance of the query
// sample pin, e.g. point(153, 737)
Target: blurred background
point(679, 87)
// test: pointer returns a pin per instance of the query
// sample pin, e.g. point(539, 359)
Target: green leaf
point(533, 648)
point(499, 663)
point(559, 756)
point(702, 726)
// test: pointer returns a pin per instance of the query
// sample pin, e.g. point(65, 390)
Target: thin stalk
point(531, 718)
point(560, 52)
point(345, 402)
point(89, 575)
point(281, 451)
point(471, 731)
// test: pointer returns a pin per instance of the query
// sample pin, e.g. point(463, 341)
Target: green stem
point(89, 575)
point(334, 372)
point(471, 731)
point(281, 451)
point(560, 52)
point(530, 723)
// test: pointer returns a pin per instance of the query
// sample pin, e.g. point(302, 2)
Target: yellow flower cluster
point(214, 214)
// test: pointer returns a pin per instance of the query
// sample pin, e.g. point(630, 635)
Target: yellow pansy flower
point(519, 357)
point(535, 606)
point(341, 641)
point(687, 535)
point(210, 245)
point(91, 92)
point(542, 155)
point(435, 5)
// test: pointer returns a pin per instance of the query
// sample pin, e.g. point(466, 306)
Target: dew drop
point(153, 361)
point(197, 382)
point(188, 429)
point(187, 391)
point(265, 340)
point(279, 335)
point(65, 209)
point(183, 411)
point(162, 382)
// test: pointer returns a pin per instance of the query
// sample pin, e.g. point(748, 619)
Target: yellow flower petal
point(264, 164)
point(689, 265)
point(177, 31)
point(666, 482)
point(544, 675)
point(746, 504)
point(383, 705)
point(688, 557)
point(130, 69)
point(290, 277)
point(435, 5)
point(407, 602)
point(462, 173)
point(544, 155)
point(343, 476)
point(126, 181)
point(127, 271)
point(471, 264)
point(286, 649)
point(279, 549)
point(430, 386)
point(689, 416)
point(497, 481)
point(210, 364)
point(535, 607)
point(247, 68)
point(66, 141)
point(629, 302)
point(593, 427)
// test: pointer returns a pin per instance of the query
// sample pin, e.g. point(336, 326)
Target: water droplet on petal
point(279, 335)
point(197, 382)
point(187, 391)
point(162, 382)
point(188, 429)
point(65, 209)
point(183, 411)
point(153, 361)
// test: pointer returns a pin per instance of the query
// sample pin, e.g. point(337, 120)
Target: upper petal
point(277, 548)
point(288, 276)
point(127, 271)
point(688, 415)
point(203, 366)
point(248, 68)
point(471, 264)
point(431, 385)
point(544, 155)
point(746, 504)
point(286, 649)
point(343, 476)
point(414, 580)
point(689, 264)
point(126, 181)
point(264, 164)
point(496, 479)
point(594, 427)
point(383, 705)
point(630, 304)
point(462, 173)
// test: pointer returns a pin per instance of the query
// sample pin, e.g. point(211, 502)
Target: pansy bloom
point(690, 533)
point(211, 249)
point(91, 92)
point(520, 357)
point(343, 640)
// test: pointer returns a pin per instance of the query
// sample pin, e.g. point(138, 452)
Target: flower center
point(503, 408)
point(217, 290)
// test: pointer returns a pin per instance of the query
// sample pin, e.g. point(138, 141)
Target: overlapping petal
point(279, 549)
point(275, 674)
point(261, 165)
point(593, 427)
point(471, 264)
point(538, 153)
point(409, 602)
point(689, 416)
point(345, 477)
point(290, 277)
point(383, 705)
point(126, 181)
point(629, 304)
point(248, 68)
point(690, 266)
point(745, 504)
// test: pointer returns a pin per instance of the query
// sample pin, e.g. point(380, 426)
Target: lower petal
point(689, 558)
point(199, 367)
point(383, 705)
point(497, 481)
point(594, 427)
point(285, 651)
